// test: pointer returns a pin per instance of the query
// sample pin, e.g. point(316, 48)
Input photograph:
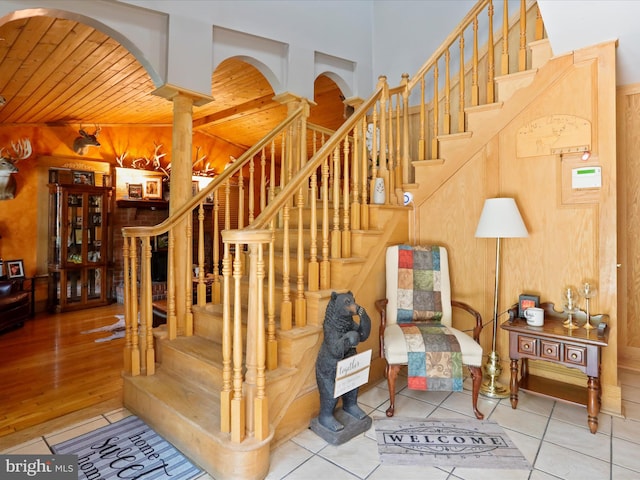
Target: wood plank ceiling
point(56, 71)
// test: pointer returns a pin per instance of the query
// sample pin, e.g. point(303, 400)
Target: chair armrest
point(381, 307)
point(472, 311)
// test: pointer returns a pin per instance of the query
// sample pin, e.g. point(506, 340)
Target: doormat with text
point(128, 448)
point(447, 443)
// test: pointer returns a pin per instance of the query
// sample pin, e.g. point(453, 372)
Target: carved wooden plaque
point(552, 135)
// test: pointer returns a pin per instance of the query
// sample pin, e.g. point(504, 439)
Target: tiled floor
point(553, 436)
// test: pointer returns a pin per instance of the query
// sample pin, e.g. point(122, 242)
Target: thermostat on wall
point(586, 177)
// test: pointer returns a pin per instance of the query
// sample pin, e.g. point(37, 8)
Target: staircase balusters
point(272, 343)
point(337, 172)
point(505, 38)
point(313, 268)
point(522, 52)
point(475, 86)
point(131, 349)
point(355, 185)
point(325, 272)
point(286, 307)
point(201, 289)
point(172, 317)
point(146, 320)
point(490, 57)
point(539, 33)
point(226, 393)
point(336, 251)
point(251, 191)
point(446, 116)
point(188, 284)
point(260, 403)
point(345, 243)
point(215, 218)
point(238, 419)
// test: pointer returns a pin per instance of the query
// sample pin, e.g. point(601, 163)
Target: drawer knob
point(574, 356)
point(526, 347)
point(549, 350)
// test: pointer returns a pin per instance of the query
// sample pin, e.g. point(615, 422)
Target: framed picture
point(153, 188)
point(135, 190)
point(15, 269)
point(527, 301)
point(82, 177)
point(195, 187)
point(1, 269)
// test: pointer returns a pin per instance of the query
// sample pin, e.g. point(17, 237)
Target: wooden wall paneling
point(628, 111)
point(568, 243)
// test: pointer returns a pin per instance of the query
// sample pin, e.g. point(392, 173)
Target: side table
point(552, 342)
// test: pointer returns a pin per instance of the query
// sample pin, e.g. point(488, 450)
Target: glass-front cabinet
point(78, 237)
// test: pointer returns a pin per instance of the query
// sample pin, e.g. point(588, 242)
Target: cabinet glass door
point(94, 283)
point(94, 229)
point(73, 284)
point(74, 228)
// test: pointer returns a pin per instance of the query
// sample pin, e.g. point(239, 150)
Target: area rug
point(446, 443)
point(128, 448)
point(116, 329)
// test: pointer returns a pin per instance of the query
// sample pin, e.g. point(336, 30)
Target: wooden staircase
point(227, 381)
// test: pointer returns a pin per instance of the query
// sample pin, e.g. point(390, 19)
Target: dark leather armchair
point(15, 305)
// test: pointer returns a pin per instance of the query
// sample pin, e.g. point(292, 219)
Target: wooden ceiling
point(60, 72)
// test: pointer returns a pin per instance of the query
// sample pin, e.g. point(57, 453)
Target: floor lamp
point(500, 218)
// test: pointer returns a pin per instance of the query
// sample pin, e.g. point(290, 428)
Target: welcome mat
point(128, 448)
point(446, 443)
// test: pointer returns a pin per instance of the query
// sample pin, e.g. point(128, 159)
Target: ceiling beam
point(253, 106)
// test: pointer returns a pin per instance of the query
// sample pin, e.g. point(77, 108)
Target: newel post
point(181, 192)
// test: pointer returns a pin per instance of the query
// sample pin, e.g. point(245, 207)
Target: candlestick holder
point(587, 291)
point(570, 307)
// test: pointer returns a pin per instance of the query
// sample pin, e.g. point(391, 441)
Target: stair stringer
point(485, 122)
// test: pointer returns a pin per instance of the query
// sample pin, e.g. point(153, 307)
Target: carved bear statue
point(341, 334)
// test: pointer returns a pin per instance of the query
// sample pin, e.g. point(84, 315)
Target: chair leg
point(392, 373)
point(476, 377)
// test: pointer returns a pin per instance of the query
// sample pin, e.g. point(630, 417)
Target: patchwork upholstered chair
point(416, 325)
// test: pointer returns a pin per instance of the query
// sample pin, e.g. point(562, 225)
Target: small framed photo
point(135, 190)
point(527, 301)
point(153, 188)
point(195, 187)
point(1, 269)
point(15, 269)
point(82, 177)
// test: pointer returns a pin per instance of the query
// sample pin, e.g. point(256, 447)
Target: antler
point(21, 148)
point(157, 156)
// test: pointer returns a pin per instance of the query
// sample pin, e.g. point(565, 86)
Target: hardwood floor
point(50, 369)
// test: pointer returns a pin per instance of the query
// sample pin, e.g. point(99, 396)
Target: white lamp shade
point(500, 218)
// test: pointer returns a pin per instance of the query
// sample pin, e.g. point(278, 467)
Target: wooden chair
point(393, 346)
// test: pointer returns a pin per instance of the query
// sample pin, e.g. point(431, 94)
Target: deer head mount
point(82, 143)
point(21, 150)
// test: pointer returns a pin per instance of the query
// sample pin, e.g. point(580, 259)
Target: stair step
point(189, 418)
point(196, 359)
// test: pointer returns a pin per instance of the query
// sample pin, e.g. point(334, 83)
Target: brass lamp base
point(491, 387)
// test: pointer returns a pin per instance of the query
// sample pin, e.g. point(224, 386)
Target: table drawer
point(550, 350)
point(575, 355)
point(527, 345)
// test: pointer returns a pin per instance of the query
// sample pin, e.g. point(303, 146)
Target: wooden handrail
point(296, 181)
point(185, 209)
point(444, 46)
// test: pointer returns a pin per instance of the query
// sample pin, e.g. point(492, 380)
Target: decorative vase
point(379, 195)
